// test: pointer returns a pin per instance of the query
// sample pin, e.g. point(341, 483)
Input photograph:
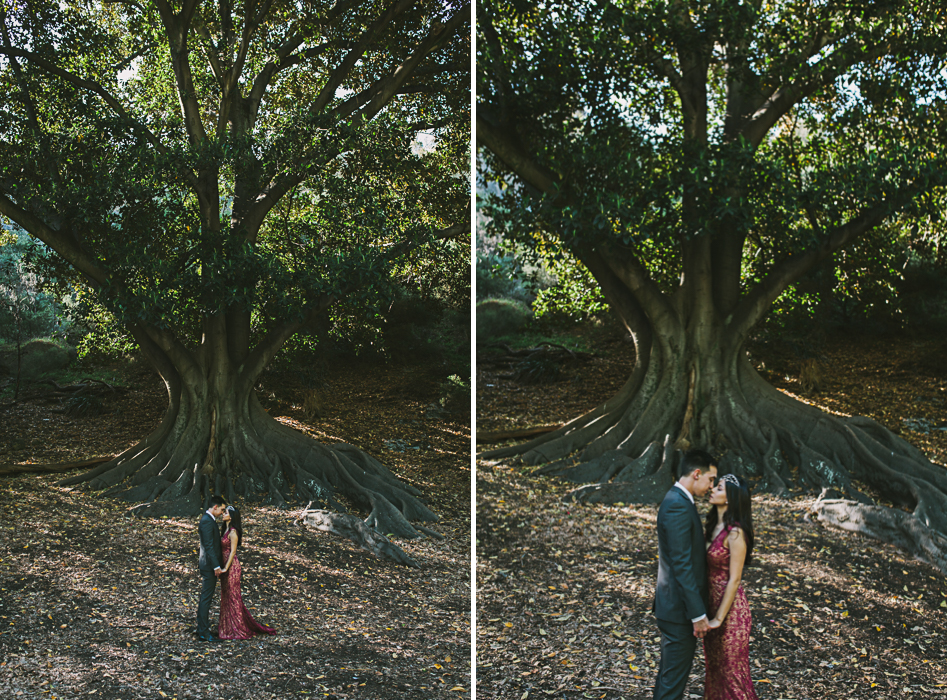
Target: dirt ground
point(95, 604)
point(564, 590)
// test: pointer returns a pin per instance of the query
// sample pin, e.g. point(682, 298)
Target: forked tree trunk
point(693, 386)
point(215, 438)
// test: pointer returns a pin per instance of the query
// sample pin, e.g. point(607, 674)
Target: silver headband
point(730, 479)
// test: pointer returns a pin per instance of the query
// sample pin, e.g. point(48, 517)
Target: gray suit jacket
point(210, 556)
point(681, 592)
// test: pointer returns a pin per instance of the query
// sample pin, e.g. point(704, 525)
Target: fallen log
point(516, 434)
point(14, 469)
point(900, 528)
point(355, 529)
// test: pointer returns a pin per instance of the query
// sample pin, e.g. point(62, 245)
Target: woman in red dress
point(235, 620)
point(729, 534)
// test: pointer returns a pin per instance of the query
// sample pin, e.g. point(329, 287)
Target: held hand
point(715, 623)
point(701, 627)
point(217, 572)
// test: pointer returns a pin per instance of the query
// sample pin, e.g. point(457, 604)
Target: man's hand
point(701, 627)
point(218, 572)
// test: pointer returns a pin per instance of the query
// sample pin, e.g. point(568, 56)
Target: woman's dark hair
point(235, 523)
point(738, 513)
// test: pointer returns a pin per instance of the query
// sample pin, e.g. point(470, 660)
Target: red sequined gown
point(727, 648)
point(235, 620)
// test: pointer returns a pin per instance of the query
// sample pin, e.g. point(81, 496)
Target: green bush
point(27, 308)
point(425, 331)
point(501, 276)
point(499, 317)
point(37, 357)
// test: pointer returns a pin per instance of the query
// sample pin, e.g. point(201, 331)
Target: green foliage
point(923, 298)
point(102, 336)
point(505, 268)
point(575, 295)
point(599, 137)
point(173, 202)
point(26, 310)
point(896, 280)
point(454, 390)
point(36, 358)
point(499, 317)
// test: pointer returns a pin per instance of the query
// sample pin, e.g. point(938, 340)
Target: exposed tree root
point(59, 467)
point(85, 387)
point(176, 470)
point(520, 434)
point(897, 527)
point(537, 364)
point(625, 452)
point(353, 528)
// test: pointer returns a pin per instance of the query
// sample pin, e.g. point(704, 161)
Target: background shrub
point(500, 317)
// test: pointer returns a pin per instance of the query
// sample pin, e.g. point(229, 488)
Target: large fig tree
point(221, 174)
point(698, 157)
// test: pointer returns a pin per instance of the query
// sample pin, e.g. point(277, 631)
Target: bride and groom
point(699, 594)
point(235, 620)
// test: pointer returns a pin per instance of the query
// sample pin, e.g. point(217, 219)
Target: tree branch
point(211, 52)
point(342, 70)
point(625, 265)
point(387, 87)
point(62, 242)
point(267, 348)
point(182, 358)
point(126, 62)
point(495, 44)
point(285, 60)
point(177, 28)
point(783, 99)
point(109, 100)
point(384, 89)
point(502, 141)
point(616, 293)
point(27, 97)
point(755, 304)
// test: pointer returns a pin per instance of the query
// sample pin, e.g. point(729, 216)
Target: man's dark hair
point(695, 459)
point(217, 501)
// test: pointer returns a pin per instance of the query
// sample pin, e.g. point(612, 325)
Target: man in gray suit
point(209, 563)
point(680, 597)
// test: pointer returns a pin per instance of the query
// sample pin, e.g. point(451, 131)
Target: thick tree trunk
point(215, 438)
